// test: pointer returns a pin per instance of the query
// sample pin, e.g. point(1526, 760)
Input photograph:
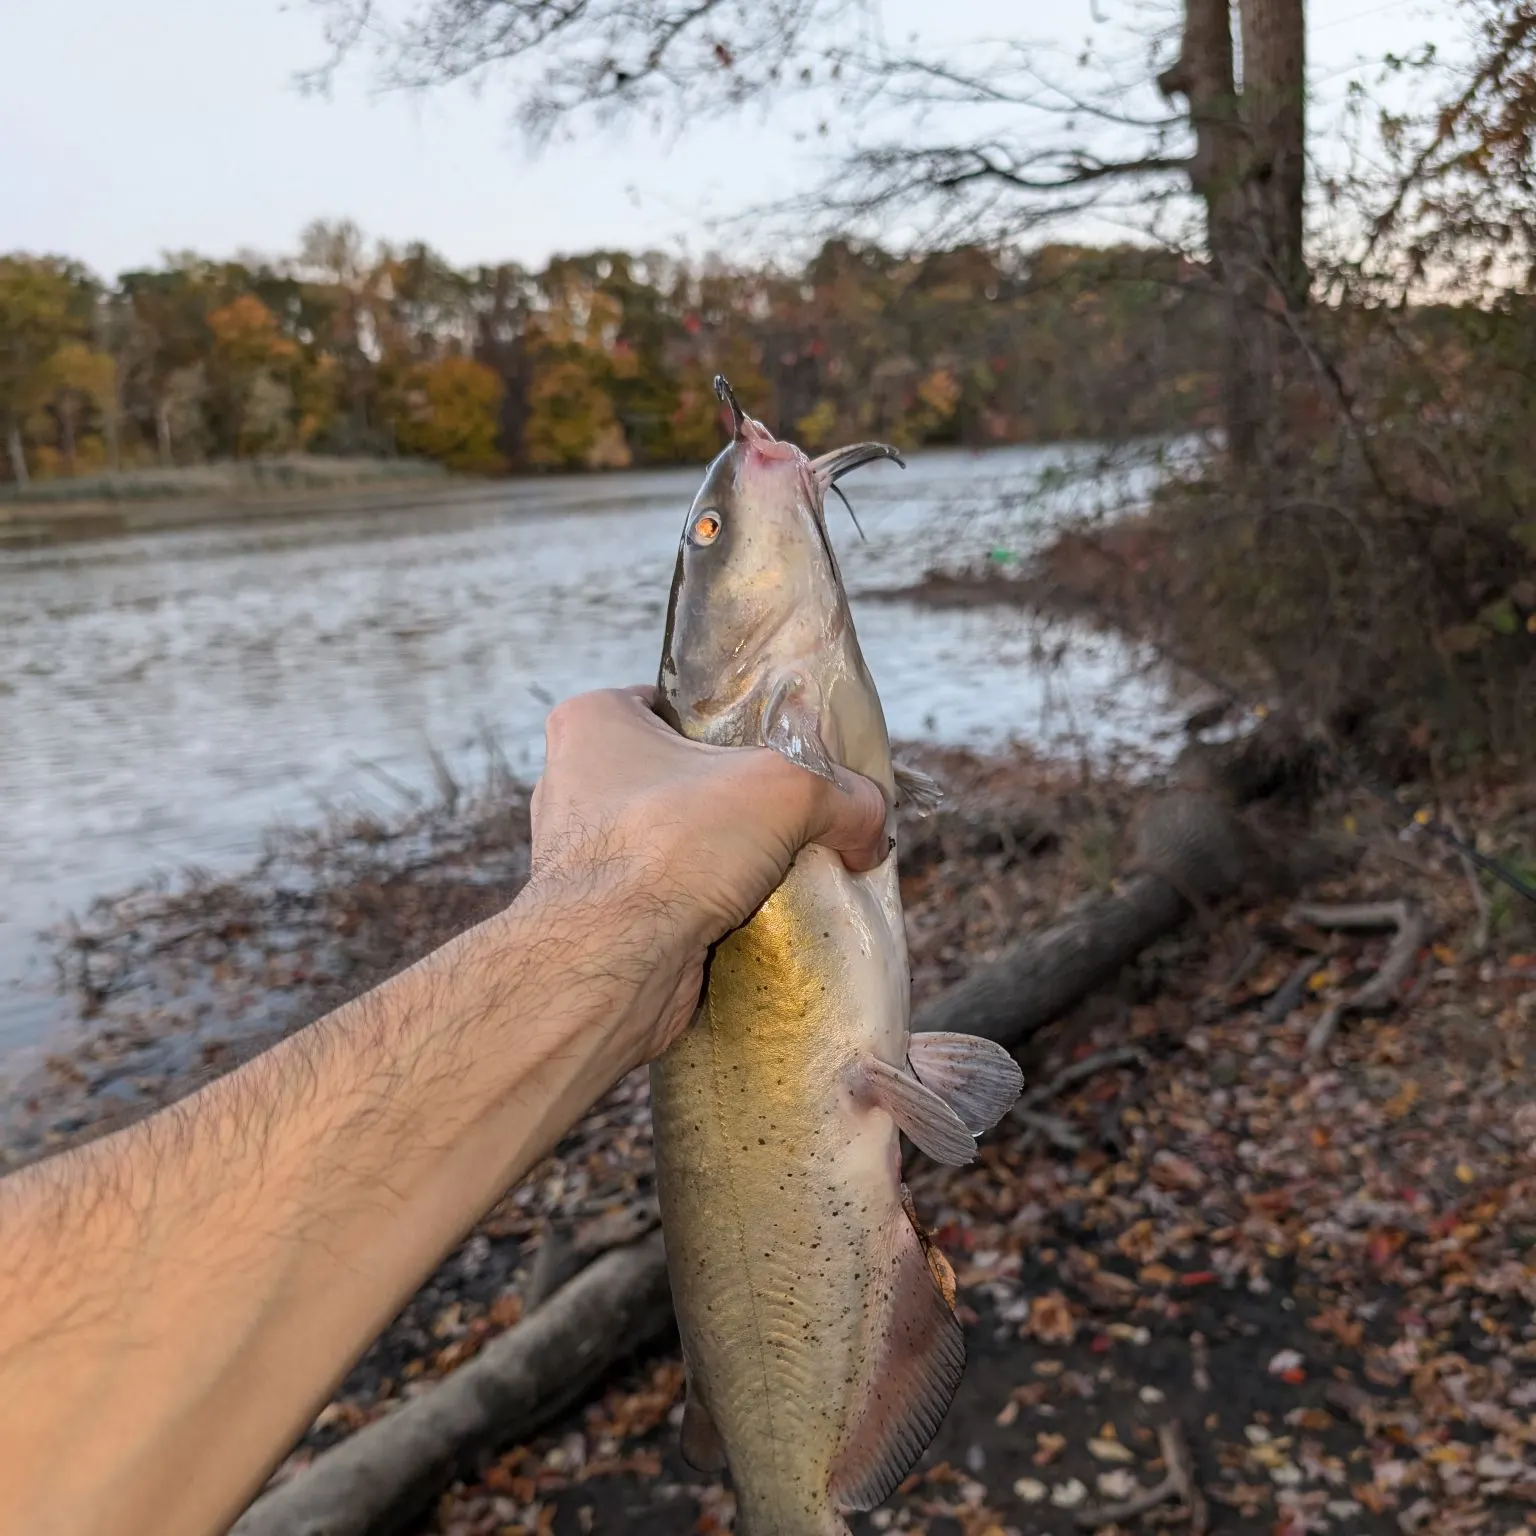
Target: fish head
point(756, 594)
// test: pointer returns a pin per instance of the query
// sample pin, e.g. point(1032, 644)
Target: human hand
point(671, 843)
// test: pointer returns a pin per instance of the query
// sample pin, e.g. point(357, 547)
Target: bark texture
point(1249, 171)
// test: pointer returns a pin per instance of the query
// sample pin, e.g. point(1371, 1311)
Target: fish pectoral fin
point(915, 789)
point(977, 1078)
point(917, 1357)
point(920, 1114)
point(792, 725)
point(699, 1440)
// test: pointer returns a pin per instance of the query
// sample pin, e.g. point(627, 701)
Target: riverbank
point(191, 496)
point(1320, 1268)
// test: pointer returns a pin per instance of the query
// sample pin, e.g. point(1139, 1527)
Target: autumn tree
point(603, 359)
point(79, 381)
point(40, 312)
point(448, 411)
point(164, 343)
point(253, 363)
point(991, 143)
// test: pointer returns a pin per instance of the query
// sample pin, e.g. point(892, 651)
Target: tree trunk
point(163, 433)
point(1249, 171)
point(112, 411)
point(67, 434)
point(18, 453)
point(1274, 114)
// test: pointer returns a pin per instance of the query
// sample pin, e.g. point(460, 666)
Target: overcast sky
point(132, 130)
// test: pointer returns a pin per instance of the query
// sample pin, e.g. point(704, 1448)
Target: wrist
point(619, 938)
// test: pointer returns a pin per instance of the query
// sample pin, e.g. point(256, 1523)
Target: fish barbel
point(818, 1326)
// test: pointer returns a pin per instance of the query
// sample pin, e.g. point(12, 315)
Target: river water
point(165, 697)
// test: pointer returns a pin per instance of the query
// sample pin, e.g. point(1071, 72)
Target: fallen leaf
point(1050, 1319)
point(1048, 1446)
point(1110, 1450)
point(1068, 1495)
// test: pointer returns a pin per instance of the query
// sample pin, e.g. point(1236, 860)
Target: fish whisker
point(833, 485)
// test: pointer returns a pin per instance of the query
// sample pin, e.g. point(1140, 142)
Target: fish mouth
point(749, 433)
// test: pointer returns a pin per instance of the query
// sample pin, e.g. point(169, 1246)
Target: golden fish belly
point(779, 1191)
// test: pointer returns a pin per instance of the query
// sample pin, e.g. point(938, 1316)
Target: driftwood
point(382, 1477)
point(1178, 1486)
point(1413, 929)
point(1190, 850)
point(1038, 979)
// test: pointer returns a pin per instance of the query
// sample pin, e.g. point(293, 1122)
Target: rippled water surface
point(165, 697)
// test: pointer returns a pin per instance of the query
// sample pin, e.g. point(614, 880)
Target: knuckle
point(567, 719)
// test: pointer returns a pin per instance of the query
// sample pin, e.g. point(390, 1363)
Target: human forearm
point(176, 1300)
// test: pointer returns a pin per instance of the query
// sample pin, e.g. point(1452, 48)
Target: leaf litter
point(1318, 1270)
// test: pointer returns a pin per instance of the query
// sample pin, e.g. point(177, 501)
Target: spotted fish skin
point(817, 1323)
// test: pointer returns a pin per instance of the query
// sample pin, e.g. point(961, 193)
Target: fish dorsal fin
point(917, 1356)
point(699, 1440)
point(915, 789)
point(977, 1078)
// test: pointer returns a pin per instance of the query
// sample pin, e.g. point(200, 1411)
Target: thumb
point(849, 817)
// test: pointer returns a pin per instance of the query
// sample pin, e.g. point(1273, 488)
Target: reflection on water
point(165, 697)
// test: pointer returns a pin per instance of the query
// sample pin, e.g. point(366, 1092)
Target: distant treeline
point(595, 361)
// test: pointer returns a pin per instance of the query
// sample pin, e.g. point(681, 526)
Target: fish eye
point(706, 528)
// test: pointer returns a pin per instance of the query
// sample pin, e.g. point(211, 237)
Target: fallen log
point(380, 1479)
point(1191, 849)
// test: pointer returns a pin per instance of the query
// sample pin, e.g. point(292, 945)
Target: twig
point(1480, 934)
point(1060, 1133)
point(1178, 1484)
point(1380, 992)
point(1245, 967)
point(411, 797)
point(1053, 1128)
point(1200, 1362)
point(1288, 995)
point(1080, 1071)
point(566, 1249)
point(1360, 915)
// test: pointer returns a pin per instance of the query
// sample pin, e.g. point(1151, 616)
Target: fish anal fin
point(920, 1114)
point(792, 725)
point(977, 1078)
point(915, 789)
point(917, 1357)
point(699, 1440)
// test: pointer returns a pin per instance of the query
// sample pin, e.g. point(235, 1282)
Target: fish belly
point(779, 1192)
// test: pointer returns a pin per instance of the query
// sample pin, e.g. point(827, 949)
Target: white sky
point(133, 130)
